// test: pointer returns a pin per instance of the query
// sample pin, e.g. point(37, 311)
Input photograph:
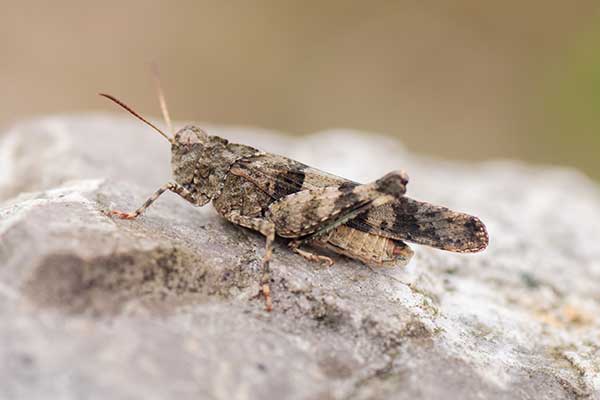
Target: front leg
point(267, 228)
point(173, 187)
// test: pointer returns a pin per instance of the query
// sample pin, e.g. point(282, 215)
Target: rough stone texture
point(162, 306)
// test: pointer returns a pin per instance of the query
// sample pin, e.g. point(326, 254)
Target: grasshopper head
point(200, 162)
point(189, 137)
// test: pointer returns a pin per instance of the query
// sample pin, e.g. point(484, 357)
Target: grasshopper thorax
point(201, 162)
point(195, 162)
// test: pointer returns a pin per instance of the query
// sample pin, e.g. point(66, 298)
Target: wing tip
point(479, 240)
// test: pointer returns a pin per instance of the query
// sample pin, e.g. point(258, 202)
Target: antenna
point(161, 98)
point(135, 114)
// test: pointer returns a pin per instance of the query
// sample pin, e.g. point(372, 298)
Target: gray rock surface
point(162, 307)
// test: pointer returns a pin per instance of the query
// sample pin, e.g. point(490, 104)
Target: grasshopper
point(278, 196)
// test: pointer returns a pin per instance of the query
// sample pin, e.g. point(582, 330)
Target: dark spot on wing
point(405, 220)
point(470, 225)
point(290, 181)
point(411, 227)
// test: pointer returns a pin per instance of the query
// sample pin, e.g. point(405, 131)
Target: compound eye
point(190, 135)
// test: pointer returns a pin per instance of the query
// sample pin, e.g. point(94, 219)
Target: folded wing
point(424, 223)
point(403, 219)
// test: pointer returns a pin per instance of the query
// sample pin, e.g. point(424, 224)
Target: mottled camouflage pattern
point(279, 196)
point(299, 199)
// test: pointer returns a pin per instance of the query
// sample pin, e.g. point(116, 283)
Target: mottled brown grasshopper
point(277, 196)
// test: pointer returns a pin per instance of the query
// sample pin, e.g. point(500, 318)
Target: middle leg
point(267, 228)
point(295, 246)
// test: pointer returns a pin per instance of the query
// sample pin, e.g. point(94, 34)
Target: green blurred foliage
point(571, 116)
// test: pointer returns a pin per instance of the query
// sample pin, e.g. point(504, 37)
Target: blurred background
point(464, 79)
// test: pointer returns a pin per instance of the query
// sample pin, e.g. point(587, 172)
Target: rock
point(162, 307)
